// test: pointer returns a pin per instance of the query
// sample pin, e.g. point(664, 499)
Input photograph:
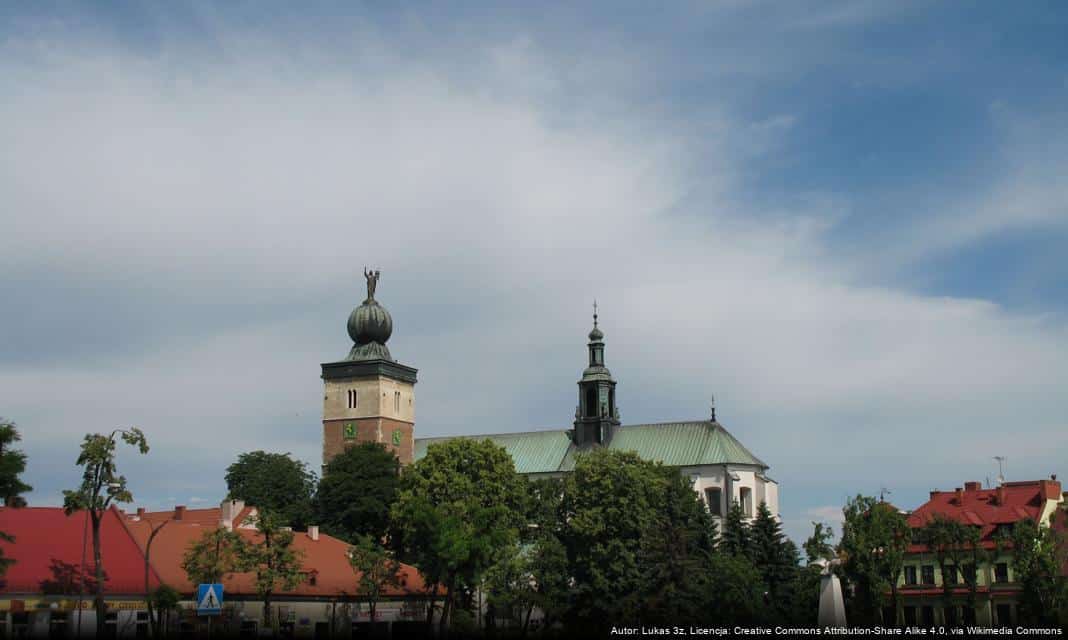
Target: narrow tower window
point(396, 401)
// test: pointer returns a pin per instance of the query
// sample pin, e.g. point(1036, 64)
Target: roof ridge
point(716, 425)
point(126, 527)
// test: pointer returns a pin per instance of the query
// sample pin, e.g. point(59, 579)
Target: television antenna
point(1001, 469)
point(883, 492)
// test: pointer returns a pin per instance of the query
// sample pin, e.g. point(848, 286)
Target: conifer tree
point(735, 539)
point(774, 556)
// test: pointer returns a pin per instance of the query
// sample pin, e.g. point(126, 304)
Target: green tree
point(818, 546)
point(101, 487)
point(735, 590)
point(165, 601)
point(775, 557)
point(956, 548)
point(609, 502)
point(217, 554)
point(458, 507)
point(1039, 555)
point(736, 539)
point(673, 550)
point(376, 570)
point(271, 558)
point(875, 537)
point(12, 464)
point(356, 491)
point(273, 482)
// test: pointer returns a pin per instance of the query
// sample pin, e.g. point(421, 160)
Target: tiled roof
point(982, 508)
point(676, 444)
point(325, 558)
point(48, 552)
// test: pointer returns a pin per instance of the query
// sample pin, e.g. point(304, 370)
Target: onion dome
point(370, 325)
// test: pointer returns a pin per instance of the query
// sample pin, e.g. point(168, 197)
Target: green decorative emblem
point(397, 434)
point(350, 431)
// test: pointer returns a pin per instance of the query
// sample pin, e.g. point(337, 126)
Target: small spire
point(595, 313)
point(712, 400)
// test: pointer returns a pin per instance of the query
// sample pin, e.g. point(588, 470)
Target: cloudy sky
point(847, 220)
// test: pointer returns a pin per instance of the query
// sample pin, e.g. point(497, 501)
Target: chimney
point(140, 512)
point(1001, 495)
point(960, 496)
point(934, 493)
point(231, 509)
point(972, 486)
point(179, 512)
point(313, 532)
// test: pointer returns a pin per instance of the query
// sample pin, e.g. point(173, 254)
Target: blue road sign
point(209, 599)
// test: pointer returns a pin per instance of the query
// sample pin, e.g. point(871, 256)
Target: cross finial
point(595, 313)
point(712, 402)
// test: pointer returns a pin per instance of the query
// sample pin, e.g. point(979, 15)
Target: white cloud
point(495, 222)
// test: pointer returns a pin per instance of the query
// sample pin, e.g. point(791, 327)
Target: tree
point(775, 557)
point(12, 464)
point(1039, 553)
point(953, 543)
point(673, 550)
point(609, 502)
point(735, 590)
point(736, 539)
point(271, 558)
point(818, 546)
point(218, 553)
point(376, 569)
point(165, 600)
point(273, 482)
point(356, 491)
point(101, 487)
point(458, 507)
point(875, 537)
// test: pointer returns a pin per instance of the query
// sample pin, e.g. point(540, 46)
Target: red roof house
point(992, 510)
point(49, 547)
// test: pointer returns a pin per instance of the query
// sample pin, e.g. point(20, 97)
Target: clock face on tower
point(397, 435)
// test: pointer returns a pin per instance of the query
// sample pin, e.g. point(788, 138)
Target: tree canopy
point(273, 482)
point(357, 490)
point(458, 507)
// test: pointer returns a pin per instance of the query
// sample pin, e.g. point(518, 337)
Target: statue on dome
point(372, 282)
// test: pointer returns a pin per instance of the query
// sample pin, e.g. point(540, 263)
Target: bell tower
point(596, 416)
point(369, 396)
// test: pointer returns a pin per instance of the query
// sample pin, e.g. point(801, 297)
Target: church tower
point(368, 396)
point(597, 415)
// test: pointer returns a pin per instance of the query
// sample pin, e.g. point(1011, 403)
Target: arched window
point(591, 402)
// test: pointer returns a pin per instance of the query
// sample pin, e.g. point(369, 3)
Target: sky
point(847, 221)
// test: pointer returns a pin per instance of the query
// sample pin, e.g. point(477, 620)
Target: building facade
point(370, 397)
point(993, 512)
point(48, 591)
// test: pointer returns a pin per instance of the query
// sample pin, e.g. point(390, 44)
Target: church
point(368, 396)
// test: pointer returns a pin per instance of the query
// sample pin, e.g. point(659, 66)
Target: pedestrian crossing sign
point(209, 599)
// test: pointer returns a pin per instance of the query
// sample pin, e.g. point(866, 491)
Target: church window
point(714, 498)
point(396, 400)
point(746, 498)
point(591, 402)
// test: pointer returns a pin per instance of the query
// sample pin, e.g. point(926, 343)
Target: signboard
point(209, 599)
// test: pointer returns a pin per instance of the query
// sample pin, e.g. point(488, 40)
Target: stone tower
point(368, 396)
point(597, 415)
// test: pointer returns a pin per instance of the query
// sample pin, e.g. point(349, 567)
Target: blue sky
point(845, 219)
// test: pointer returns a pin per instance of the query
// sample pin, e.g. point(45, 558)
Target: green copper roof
point(676, 444)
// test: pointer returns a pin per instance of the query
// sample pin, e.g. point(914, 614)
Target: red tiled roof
point(982, 508)
point(48, 551)
point(326, 558)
